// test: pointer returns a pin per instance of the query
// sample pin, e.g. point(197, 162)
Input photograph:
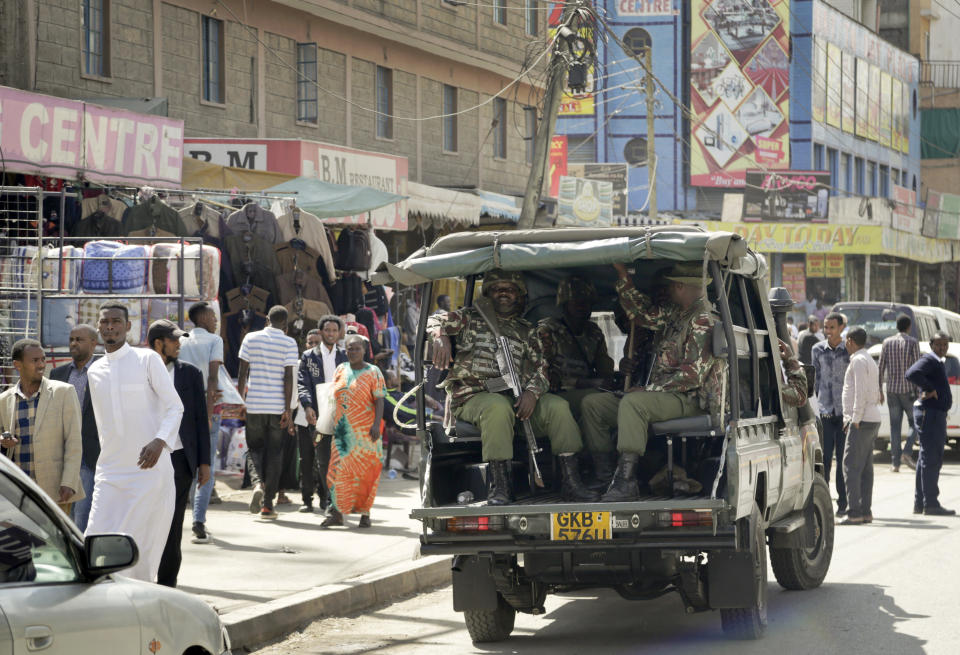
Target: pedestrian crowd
point(123, 441)
point(849, 389)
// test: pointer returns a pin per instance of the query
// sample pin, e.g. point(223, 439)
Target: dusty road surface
point(893, 587)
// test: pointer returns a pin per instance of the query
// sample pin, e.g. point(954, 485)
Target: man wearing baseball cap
point(193, 458)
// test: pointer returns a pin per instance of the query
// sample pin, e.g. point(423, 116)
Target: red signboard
point(558, 163)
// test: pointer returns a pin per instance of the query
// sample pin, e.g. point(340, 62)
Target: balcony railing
point(940, 74)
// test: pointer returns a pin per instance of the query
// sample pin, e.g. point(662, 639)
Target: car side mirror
point(109, 553)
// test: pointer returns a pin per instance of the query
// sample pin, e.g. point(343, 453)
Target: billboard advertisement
point(584, 203)
point(558, 162)
point(615, 174)
point(739, 78)
point(786, 196)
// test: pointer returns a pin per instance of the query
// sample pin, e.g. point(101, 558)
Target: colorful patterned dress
point(355, 459)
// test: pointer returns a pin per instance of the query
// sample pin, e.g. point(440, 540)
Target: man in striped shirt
point(268, 359)
point(899, 353)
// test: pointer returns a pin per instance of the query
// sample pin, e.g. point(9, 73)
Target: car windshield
point(879, 322)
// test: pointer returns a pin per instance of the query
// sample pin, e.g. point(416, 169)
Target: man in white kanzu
point(138, 416)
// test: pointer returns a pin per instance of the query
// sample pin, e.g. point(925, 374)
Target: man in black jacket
point(930, 417)
point(193, 456)
point(317, 366)
point(83, 341)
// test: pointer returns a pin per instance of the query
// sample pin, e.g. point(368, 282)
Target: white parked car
point(60, 594)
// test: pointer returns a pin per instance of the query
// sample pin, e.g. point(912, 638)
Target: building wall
point(425, 42)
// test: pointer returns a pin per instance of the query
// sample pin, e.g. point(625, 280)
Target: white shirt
point(861, 389)
point(201, 348)
point(268, 352)
point(329, 357)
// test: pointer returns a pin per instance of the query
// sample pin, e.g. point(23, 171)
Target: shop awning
point(498, 205)
point(443, 207)
point(204, 175)
point(327, 200)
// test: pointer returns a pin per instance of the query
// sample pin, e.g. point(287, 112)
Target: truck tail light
point(688, 518)
point(475, 524)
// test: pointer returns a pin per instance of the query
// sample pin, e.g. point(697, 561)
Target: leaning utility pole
point(541, 143)
point(651, 137)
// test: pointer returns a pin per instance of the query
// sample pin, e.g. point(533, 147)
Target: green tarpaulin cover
point(940, 133)
point(327, 200)
point(471, 253)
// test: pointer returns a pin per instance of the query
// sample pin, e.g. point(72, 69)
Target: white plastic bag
point(237, 451)
point(325, 408)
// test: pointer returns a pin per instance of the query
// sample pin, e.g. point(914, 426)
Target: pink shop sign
point(55, 137)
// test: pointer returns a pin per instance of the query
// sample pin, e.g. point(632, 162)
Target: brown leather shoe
point(335, 518)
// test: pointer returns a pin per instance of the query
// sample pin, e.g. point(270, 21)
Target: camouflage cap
point(576, 287)
point(499, 275)
point(686, 273)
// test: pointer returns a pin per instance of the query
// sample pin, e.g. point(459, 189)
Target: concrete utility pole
point(541, 142)
point(651, 137)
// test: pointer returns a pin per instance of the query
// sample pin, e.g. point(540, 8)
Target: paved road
point(892, 588)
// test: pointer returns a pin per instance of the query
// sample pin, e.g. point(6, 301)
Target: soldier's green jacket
point(571, 358)
point(476, 358)
point(685, 361)
point(795, 393)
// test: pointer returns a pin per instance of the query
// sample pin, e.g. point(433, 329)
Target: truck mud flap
point(727, 572)
point(473, 585)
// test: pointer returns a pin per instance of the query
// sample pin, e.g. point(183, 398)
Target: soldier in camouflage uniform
point(795, 393)
point(495, 413)
point(577, 358)
point(686, 378)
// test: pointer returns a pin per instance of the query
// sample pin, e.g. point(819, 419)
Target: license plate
point(581, 526)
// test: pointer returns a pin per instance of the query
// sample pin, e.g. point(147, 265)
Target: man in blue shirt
point(930, 417)
point(830, 359)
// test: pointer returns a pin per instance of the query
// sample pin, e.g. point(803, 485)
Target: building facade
point(410, 78)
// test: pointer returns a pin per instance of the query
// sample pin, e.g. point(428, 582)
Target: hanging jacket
point(154, 214)
point(263, 223)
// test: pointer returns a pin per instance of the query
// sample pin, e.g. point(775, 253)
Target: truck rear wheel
point(805, 568)
point(750, 622)
point(490, 625)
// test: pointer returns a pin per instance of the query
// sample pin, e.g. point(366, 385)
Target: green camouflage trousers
point(494, 415)
point(632, 415)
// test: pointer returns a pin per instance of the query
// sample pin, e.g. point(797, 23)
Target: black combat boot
point(624, 486)
point(499, 487)
point(572, 489)
point(604, 465)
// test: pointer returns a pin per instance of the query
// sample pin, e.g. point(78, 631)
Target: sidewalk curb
point(258, 624)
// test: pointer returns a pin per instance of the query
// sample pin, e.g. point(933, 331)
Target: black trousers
point(172, 557)
point(265, 453)
point(834, 441)
point(323, 465)
point(310, 480)
point(932, 430)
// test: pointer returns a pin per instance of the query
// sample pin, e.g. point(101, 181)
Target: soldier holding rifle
point(478, 390)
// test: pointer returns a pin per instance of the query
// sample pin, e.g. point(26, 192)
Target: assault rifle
point(511, 380)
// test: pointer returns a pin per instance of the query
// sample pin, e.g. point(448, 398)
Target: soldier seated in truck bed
point(494, 414)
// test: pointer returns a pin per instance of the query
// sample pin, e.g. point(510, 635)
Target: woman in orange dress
point(356, 450)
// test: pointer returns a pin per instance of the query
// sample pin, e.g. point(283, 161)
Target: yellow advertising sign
point(816, 266)
point(573, 106)
point(807, 237)
point(834, 266)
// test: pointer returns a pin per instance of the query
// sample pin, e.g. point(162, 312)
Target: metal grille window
point(531, 17)
point(95, 17)
point(307, 82)
point(384, 102)
point(583, 149)
point(213, 86)
point(530, 130)
point(449, 118)
point(500, 128)
point(500, 12)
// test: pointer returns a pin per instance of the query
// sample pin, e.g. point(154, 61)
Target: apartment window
point(858, 175)
point(530, 130)
point(818, 157)
point(884, 181)
point(96, 37)
point(213, 87)
point(384, 102)
point(449, 118)
point(500, 128)
point(500, 12)
point(845, 172)
point(872, 177)
point(531, 16)
point(307, 82)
